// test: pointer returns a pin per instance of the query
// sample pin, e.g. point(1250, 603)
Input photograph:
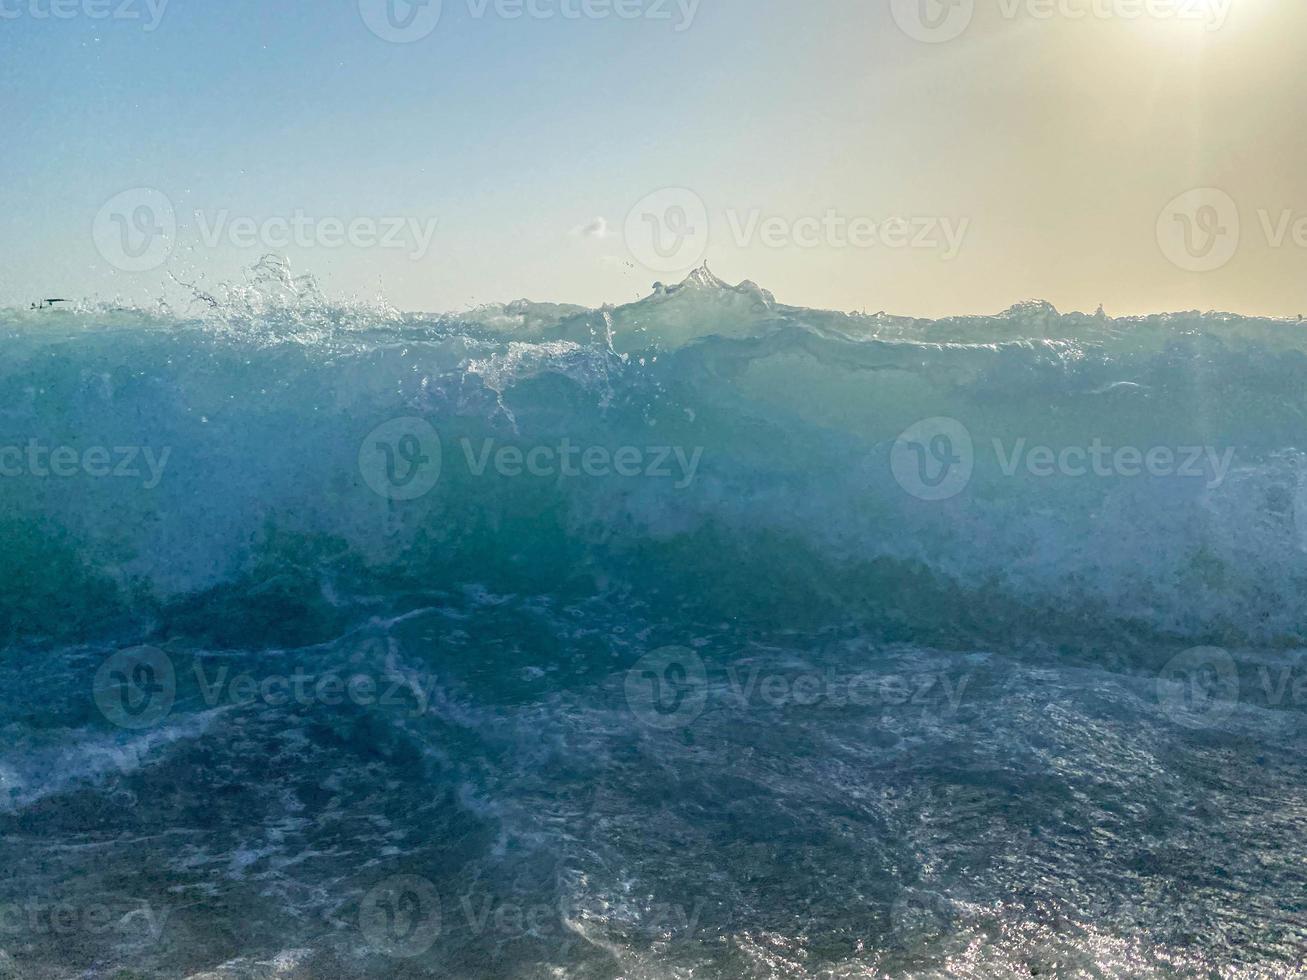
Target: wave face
point(1142, 475)
point(704, 636)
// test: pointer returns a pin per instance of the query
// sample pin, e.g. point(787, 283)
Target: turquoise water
point(701, 637)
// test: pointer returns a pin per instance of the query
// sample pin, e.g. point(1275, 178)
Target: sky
point(924, 157)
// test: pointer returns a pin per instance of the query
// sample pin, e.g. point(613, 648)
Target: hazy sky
point(1033, 148)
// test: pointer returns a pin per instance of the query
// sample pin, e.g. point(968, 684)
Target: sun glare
point(1190, 20)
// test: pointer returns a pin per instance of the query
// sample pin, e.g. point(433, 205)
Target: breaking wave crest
point(748, 460)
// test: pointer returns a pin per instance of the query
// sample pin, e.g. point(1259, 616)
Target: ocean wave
point(1138, 476)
